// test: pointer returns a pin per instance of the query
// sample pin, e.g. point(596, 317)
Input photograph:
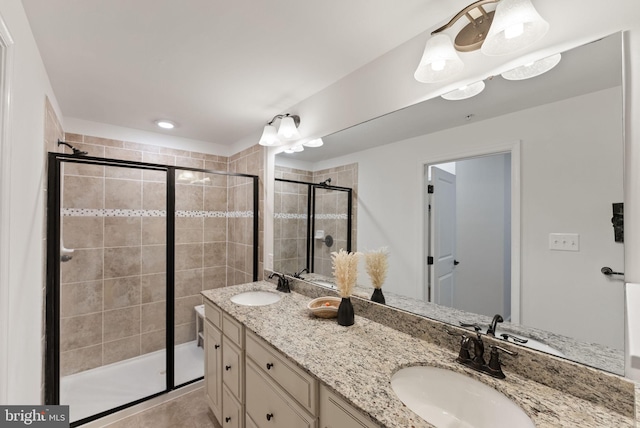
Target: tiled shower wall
point(290, 220)
point(113, 289)
point(331, 211)
point(240, 251)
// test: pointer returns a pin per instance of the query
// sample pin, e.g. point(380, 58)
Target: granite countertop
point(357, 362)
point(590, 354)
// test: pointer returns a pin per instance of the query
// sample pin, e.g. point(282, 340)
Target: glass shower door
point(112, 285)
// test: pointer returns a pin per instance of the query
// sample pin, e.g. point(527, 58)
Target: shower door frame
point(311, 215)
point(52, 297)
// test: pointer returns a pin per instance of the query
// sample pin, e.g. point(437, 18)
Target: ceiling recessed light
point(165, 124)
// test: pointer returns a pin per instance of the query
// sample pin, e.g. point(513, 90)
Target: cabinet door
point(337, 413)
point(213, 368)
point(232, 367)
point(300, 385)
point(268, 406)
point(232, 413)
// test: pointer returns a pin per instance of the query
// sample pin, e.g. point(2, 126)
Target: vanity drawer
point(302, 386)
point(232, 413)
point(213, 313)
point(269, 407)
point(337, 413)
point(232, 367)
point(232, 329)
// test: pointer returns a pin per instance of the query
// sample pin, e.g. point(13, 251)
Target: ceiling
point(219, 69)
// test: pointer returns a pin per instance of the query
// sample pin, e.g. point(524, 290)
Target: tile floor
point(187, 411)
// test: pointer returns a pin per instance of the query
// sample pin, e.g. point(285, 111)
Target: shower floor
point(107, 387)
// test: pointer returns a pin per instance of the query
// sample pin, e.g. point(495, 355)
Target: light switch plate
point(564, 241)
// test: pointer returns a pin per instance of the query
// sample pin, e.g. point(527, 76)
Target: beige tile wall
point(240, 257)
point(113, 290)
point(290, 234)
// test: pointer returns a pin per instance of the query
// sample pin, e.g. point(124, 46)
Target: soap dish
point(324, 307)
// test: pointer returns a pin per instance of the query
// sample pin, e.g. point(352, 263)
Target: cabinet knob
point(227, 368)
point(269, 416)
point(269, 365)
point(216, 346)
point(227, 419)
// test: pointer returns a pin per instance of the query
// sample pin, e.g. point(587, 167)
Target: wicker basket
point(325, 307)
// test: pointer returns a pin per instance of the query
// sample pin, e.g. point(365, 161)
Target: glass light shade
point(269, 136)
point(288, 129)
point(314, 143)
point(289, 150)
point(516, 25)
point(465, 92)
point(534, 69)
point(297, 148)
point(439, 61)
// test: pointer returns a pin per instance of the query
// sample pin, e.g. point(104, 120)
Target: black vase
point(377, 296)
point(345, 312)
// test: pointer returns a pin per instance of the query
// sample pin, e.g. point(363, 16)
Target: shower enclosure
point(312, 220)
point(130, 247)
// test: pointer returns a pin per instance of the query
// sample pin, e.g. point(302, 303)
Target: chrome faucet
point(283, 282)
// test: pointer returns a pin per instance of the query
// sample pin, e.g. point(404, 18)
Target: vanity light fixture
point(533, 69)
point(294, 149)
point(165, 124)
point(514, 25)
point(464, 92)
point(287, 131)
point(317, 142)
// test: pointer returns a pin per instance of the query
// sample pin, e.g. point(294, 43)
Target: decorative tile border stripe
point(290, 216)
point(88, 212)
point(295, 216)
point(331, 216)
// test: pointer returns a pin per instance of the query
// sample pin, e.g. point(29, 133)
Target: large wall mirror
point(556, 142)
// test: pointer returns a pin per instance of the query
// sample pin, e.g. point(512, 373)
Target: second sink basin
point(256, 298)
point(446, 398)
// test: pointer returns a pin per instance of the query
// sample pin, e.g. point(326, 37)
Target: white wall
point(571, 153)
point(21, 303)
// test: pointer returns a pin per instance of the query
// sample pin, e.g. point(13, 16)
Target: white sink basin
point(256, 298)
point(448, 399)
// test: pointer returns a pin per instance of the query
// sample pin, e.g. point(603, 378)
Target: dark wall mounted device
point(618, 221)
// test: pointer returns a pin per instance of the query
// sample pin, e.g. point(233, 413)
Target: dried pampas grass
point(345, 271)
point(377, 263)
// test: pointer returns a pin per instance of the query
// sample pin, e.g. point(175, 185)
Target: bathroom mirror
point(563, 131)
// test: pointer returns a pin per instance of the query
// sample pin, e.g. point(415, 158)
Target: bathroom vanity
point(277, 365)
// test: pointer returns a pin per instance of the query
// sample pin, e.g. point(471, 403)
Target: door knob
point(456, 263)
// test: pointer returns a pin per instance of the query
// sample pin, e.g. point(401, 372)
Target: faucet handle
point(475, 326)
point(494, 367)
point(516, 339)
point(506, 351)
